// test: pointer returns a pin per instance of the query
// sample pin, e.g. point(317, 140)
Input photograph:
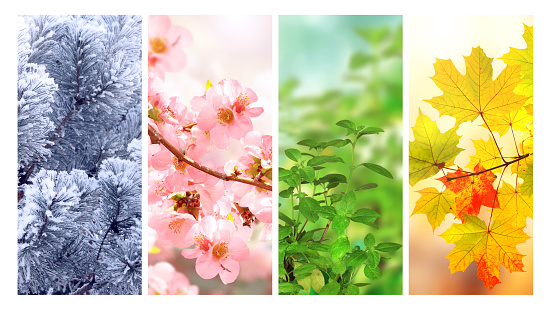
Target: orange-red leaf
point(472, 191)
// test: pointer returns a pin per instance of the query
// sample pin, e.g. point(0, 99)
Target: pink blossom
point(228, 112)
point(157, 192)
point(217, 249)
point(259, 146)
point(265, 233)
point(164, 279)
point(166, 44)
point(154, 85)
point(172, 227)
point(259, 202)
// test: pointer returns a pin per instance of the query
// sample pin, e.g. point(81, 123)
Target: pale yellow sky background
point(453, 37)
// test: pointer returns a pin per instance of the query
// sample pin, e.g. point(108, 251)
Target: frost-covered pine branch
point(79, 120)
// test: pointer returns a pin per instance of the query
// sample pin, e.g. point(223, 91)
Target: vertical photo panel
point(79, 155)
point(209, 155)
point(340, 155)
point(471, 155)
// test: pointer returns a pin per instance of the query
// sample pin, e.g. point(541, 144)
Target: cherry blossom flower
point(228, 112)
point(166, 44)
point(172, 227)
point(217, 249)
point(164, 279)
point(259, 146)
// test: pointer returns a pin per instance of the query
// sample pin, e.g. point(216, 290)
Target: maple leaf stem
point(515, 143)
point(494, 139)
point(156, 137)
point(506, 163)
point(494, 200)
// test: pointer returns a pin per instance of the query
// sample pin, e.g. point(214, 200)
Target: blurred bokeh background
point(453, 37)
point(237, 47)
point(348, 67)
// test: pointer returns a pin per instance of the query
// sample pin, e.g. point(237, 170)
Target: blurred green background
point(333, 68)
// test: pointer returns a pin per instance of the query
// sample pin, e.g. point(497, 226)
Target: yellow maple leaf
point(475, 94)
point(488, 247)
point(513, 205)
point(524, 58)
point(435, 205)
point(487, 155)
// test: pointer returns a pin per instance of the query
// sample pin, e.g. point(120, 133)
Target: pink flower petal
point(207, 267)
point(207, 119)
point(158, 25)
point(219, 137)
point(238, 250)
point(231, 271)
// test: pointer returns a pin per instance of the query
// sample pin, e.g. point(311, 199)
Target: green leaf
point(153, 113)
point(369, 241)
point(335, 198)
point(346, 124)
point(370, 130)
point(333, 179)
point(327, 212)
point(340, 223)
point(338, 267)
point(372, 272)
point(293, 154)
point(308, 174)
point(309, 208)
point(321, 261)
point(284, 173)
point(347, 204)
point(319, 160)
point(331, 288)
point(351, 290)
point(366, 186)
point(374, 258)
point(361, 284)
point(305, 268)
point(340, 247)
point(388, 247)
point(294, 247)
point(289, 288)
point(304, 237)
point(286, 193)
point(365, 216)
point(293, 180)
point(378, 169)
point(308, 142)
point(338, 143)
point(284, 231)
point(357, 258)
point(320, 247)
point(286, 219)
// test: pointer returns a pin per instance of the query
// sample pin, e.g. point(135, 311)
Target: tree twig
point(157, 138)
point(486, 170)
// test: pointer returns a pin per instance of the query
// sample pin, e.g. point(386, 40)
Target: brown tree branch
point(157, 138)
point(486, 170)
